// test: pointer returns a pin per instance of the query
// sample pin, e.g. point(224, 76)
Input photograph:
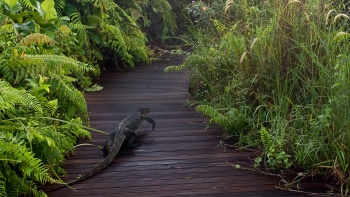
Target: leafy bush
point(41, 109)
point(48, 53)
point(284, 65)
point(32, 144)
point(156, 18)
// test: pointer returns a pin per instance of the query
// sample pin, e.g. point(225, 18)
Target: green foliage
point(203, 15)
point(286, 63)
point(174, 68)
point(29, 145)
point(38, 81)
point(11, 97)
point(232, 121)
point(58, 71)
point(44, 59)
point(104, 27)
point(49, 50)
point(276, 157)
point(156, 17)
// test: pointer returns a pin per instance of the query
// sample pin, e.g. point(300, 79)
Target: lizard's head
point(144, 110)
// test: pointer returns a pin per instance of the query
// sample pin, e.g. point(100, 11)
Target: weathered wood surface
point(179, 158)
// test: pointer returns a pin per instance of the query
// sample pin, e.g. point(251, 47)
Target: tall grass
point(283, 66)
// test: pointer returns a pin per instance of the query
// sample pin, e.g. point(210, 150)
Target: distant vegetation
point(276, 76)
point(49, 50)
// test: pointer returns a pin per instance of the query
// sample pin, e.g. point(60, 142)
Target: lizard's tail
point(108, 160)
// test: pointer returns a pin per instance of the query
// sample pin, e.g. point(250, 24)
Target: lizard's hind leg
point(108, 144)
point(131, 136)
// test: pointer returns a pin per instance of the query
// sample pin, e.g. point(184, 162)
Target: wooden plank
point(181, 157)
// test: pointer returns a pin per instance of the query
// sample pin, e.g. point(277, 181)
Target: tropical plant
point(32, 145)
point(286, 64)
point(41, 109)
point(105, 32)
point(156, 18)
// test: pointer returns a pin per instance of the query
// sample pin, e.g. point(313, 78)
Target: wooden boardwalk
point(179, 158)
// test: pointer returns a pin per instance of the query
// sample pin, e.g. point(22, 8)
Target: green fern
point(266, 139)
point(59, 6)
point(77, 26)
point(65, 64)
point(11, 96)
point(17, 186)
point(215, 116)
point(233, 121)
point(17, 156)
point(174, 68)
point(51, 107)
point(62, 72)
point(27, 4)
point(2, 184)
point(72, 100)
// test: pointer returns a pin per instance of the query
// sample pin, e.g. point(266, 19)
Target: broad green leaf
point(17, 8)
point(95, 38)
point(50, 34)
point(65, 18)
point(47, 5)
point(11, 3)
point(94, 21)
point(26, 27)
point(49, 9)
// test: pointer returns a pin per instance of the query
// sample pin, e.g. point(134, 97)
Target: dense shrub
point(48, 53)
point(275, 75)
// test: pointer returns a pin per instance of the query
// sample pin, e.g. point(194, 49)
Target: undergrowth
point(49, 51)
point(275, 75)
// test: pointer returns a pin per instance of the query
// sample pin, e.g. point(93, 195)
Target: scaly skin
point(129, 126)
point(126, 128)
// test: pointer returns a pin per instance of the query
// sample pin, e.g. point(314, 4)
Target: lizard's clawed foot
point(136, 145)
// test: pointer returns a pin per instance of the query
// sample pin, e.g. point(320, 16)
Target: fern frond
point(19, 155)
point(266, 138)
point(215, 116)
point(126, 16)
point(17, 186)
point(59, 6)
point(66, 63)
point(51, 107)
point(136, 45)
point(232, 121)
point(37, 39)
point(174, 68)
point(117, 41)
point(2, 185)
point(27, 4)
point(74, 100)
point(77, 26)
point(11, 96)
point(207, 110)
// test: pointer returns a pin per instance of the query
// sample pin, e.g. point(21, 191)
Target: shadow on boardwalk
point(178, 158)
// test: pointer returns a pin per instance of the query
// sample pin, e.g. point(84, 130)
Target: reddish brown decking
point(178, 158)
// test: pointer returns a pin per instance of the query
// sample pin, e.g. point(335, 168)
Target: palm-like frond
point(72, 99)
point(11, 96)
point(62, 72)
point(15, 155)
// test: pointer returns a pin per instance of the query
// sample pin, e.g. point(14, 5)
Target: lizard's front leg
point(150, 120)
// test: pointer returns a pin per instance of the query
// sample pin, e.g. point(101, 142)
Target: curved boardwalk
point(179, 158)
